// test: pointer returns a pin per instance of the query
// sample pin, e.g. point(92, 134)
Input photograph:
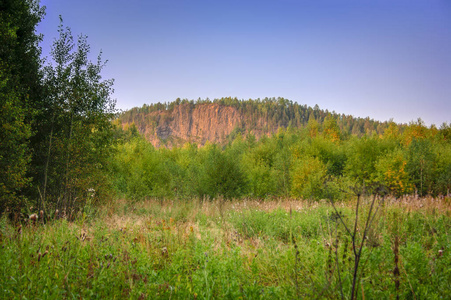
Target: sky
point(383, 59)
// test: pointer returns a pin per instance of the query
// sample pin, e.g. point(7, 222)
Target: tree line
point(314, 162)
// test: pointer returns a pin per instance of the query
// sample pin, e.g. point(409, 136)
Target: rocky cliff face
point(185, 123)
point(219, 121)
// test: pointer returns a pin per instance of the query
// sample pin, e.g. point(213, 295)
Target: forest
point(311, 207)
point(312, 162)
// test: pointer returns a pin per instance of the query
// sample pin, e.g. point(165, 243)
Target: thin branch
point(355, 223)
point(339, 216)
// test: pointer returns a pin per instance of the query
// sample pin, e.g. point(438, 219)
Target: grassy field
point(281, 249)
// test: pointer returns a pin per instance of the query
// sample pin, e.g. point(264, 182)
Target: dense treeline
point(55, 118)
point(267, 115)
point(314, 162)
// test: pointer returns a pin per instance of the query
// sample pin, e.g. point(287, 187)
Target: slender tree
point(79, 130)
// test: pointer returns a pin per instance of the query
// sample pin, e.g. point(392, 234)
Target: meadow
point(246, 249)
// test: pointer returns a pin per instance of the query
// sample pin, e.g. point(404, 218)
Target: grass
point(235, 250)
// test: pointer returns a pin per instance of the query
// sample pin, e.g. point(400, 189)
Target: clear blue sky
point(378, 58)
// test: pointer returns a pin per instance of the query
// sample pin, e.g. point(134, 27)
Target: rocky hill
point(175, 123)
point(201, 123)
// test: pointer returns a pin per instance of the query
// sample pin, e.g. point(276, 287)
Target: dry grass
point(412, 203)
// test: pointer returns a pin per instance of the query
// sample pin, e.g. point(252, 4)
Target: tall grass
point(246, 249)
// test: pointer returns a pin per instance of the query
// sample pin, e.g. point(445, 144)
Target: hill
point(175, 123)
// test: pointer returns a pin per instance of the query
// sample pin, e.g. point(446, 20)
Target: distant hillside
point(181, 121)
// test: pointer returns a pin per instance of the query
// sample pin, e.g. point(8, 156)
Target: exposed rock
point(199, 124)
point(163, 132)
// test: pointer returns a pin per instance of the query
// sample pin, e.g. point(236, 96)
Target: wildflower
point(34, 218)
point(164, 252)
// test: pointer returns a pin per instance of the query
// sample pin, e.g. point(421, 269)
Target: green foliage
point(262, 180)
point(259, 164)
point(14, 154)
point(222, 175)
point(308, 178)
point(140, 172)
point(78, 134)
point(20, 94)
point(442, 173)
point(331, 131)
point(331, 154)
point(362, 156)
point(56, 121)
point(292, 163)
point(420, 163)
point(392, 173)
